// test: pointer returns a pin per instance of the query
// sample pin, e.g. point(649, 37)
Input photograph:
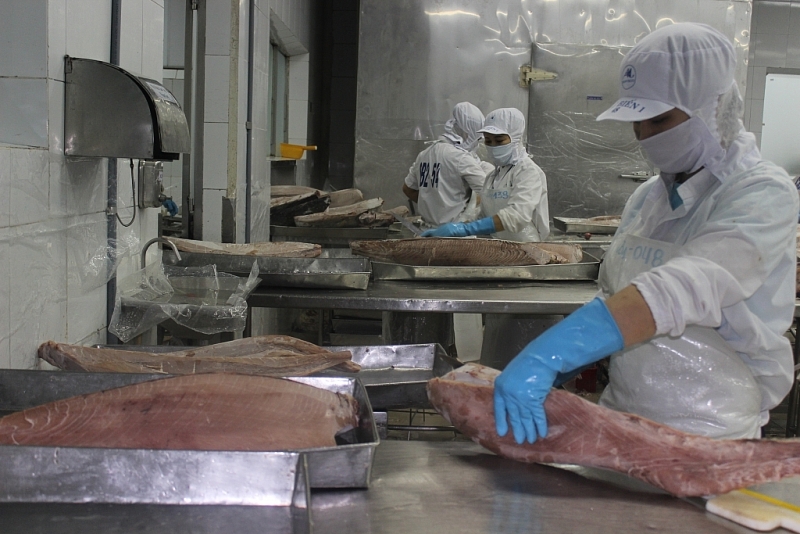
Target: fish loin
point(584, 433)
point(214, 412)
point(345, 197)
point(447, 251)
point(291, 190)
point(342, 217)
point(263, 355)
point(281, 249)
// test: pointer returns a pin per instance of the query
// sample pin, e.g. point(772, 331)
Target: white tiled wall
point(774, 43)
point(45, 198)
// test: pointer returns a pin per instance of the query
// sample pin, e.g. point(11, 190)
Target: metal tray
point(570, 225)
point(327, 236)
point(322, 272)
point(220, 477)
point(587, 269)
point(395, 376)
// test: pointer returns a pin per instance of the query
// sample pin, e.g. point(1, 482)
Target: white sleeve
point(411, 178)
point(470, 170)
point(737, 250)
point(525, 197)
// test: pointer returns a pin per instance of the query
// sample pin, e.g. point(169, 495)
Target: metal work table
point(487, 297)
point(417, 487)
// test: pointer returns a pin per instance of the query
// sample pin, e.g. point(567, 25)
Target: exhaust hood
point(109, 112)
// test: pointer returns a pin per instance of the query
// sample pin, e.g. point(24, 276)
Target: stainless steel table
point(417, 487)
point(487, 297)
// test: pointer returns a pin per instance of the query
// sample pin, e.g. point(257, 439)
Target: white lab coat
point(443, 174)
point(732, 269)
point(518, 195)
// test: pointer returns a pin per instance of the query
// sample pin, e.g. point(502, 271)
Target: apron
point(696, 382)
point(496, 197)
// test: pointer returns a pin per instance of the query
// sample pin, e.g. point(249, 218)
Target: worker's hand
point(584, 337)
point(481, 226)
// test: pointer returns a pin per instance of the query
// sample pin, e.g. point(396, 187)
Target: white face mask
point(502, 154)
point(685, 148)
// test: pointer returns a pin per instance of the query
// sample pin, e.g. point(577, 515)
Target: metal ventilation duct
point(112, 113)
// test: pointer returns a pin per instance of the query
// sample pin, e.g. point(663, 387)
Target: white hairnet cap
point(508, 121)
point(685, 66)
point(468, 118)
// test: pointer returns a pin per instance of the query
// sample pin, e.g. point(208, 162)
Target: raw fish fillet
point(342, 217)
point(282, 249)
point(209, 412)
point(584, 433)
point(611, 220)
point(291, 190)
point(345, 197)
point(455, 251)
point(262, 355)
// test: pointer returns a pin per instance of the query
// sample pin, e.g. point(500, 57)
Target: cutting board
point(764, 507)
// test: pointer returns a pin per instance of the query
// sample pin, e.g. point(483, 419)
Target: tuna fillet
point(341, 217)
point(210, 412)
point(583, 433)
point(282, 249)
point(262, 355)
point(449, 251)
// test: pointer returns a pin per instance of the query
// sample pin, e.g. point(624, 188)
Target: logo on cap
point(628, 77)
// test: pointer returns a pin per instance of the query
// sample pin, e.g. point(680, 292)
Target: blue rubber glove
point(460, 229)
point(171, 207)
point(585, 336)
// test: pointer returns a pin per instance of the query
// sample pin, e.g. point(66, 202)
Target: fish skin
point(455, 251)
point(584, 433)
point(262, 355)
point(213, 412)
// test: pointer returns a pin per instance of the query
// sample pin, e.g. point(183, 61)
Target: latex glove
point(171, 207)
point(460, 229)
point(585, 336)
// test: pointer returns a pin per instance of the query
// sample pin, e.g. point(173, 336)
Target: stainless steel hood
point(109, 112)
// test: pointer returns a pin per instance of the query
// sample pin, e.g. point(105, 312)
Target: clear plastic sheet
point(196, 298)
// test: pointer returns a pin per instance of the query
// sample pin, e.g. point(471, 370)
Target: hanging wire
point(133, 201)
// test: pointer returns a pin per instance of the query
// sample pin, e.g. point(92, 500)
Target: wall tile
point(29, 186)
point(345, 60)
point(23, 38)
point(218, 28)
point(215, 155)
point(212, 214)
point(343, 93)
point(5, 302)
point(746, 115)
point(756, 115)
point(298, 120)
point(345, 26)
point(152, 39)
point(217, 88)
point(37, 258)
point(58, 185)
point(88, 25)
point(298, 79)
point(773, 18)
point(770, 50)
point(130, 47)
point(23, 107)
point(86, 180)
point(56, 38)
point(55, 116)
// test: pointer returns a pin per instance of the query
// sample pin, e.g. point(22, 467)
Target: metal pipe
point(158, 240)
point(111, 209)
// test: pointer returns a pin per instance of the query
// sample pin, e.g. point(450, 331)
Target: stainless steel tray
point(395, 376)
point(322, 272)
point(343, 466)
point(585, 270)
point(328, 236)
point(570, 225)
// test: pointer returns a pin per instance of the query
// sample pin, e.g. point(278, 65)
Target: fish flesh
point(342, 217)
point(272, 249)
point(283, 210)
point(382, 218)
point(449, 251)
point(261, 355)
point(583, 433)
point(610, 220)
point(345, 197)
point(208, 412)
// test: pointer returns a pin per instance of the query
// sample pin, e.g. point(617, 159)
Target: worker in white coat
point(514, 203)
point(697, 285)
point(445, 174)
